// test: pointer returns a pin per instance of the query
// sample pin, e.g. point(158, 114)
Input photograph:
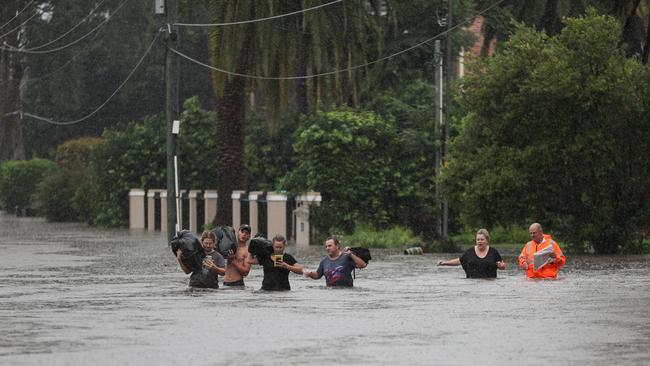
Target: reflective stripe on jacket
point(547, 271)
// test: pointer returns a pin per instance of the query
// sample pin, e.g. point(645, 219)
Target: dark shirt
point(476, 267)
point(337, 272)
point(276, 278)
point(206, 278)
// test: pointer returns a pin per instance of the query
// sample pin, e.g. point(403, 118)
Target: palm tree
point(332, 37)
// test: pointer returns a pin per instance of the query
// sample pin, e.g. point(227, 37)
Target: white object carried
point(540, 257)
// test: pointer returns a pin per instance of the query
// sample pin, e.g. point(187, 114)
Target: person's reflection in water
point(481, 261)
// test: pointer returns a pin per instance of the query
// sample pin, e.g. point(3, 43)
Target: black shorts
point(234, 283)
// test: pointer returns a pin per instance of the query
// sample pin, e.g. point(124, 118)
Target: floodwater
point(73, 295)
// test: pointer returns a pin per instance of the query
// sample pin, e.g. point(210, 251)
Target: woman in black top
point(481, 261)
point(277, 266)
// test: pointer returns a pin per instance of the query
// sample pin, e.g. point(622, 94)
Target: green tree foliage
point(557, 132)
point(348, 157)
point(134, 157)
point(19, 180)
point(65, 193)
point(412, 106)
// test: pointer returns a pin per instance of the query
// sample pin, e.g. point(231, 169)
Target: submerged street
point(71, 294)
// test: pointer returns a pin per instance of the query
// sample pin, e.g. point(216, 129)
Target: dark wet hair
point(279, 238)
point(335, 238)
point(209, 234)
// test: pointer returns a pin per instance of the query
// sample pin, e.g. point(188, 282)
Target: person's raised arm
point(451, 262)
point(181, 263)
point(251, 259)
point(355, 258)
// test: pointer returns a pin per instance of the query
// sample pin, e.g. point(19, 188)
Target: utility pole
point(171, 113)
point(437, 59)
point(445, 206)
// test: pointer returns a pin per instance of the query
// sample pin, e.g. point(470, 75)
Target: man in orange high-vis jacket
point(540, 241)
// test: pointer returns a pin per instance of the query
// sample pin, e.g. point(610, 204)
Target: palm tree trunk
point(551, 21)
point(231, 161)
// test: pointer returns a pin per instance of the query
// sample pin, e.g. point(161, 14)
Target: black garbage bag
point(363, 253)
point(226, 240)
point(191, 246)
point(260, 246)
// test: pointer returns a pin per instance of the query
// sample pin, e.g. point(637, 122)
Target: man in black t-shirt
point(277, 266)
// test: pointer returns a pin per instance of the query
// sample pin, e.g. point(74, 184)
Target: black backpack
point(363, 253)
point(260, 246)
point(191, 246)
point(226, 240)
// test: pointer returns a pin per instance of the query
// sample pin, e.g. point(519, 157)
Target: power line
point(72, 59)
point(261, 77)
point(64, 123)
point(260, 19)
point(17, 14)
point(19, 25)
point(70, 30)
point(23, 50)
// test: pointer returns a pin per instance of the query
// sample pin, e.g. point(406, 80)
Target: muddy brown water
point(74, 295)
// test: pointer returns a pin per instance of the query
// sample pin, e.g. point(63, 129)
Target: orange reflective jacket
point(547, 271)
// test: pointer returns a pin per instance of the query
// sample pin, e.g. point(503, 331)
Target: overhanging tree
point(557, 132)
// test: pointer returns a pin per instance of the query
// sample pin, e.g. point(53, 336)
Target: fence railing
point(271, 213)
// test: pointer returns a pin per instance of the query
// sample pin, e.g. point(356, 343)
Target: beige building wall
point(253, 207)
point(136, 208)
point(276, 214)
point(302, 216)
point(210, 205)
point(236, 208)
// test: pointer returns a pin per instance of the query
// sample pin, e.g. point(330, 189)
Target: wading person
point(277, 266)
point(549, 255)
point(237, 266)
point(337, 265)
point(213, 264)
point(481, 261)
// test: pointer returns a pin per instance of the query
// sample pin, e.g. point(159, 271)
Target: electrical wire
point(260, 77)
point(22, 50)
point(260, 19)
point(19, 25)
point(72, 59)
point(70, 30)
point(65, 123)
point(17, 14)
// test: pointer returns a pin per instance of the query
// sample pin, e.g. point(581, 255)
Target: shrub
point(64, 192)
point(346, 155)
point(395, 237)
point(134, 156)
point(19, 180)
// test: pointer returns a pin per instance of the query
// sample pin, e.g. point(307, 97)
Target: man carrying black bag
point(337, 265)
point(205, 263)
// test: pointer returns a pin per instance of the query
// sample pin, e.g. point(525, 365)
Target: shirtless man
point(237, 267)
